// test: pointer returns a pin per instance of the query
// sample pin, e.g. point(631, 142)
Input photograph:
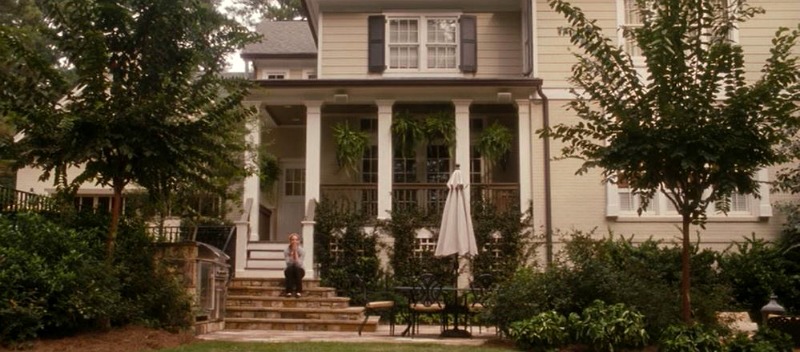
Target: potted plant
point(350, 146)
point(407, 133)
point(495, 143)
point(441, 126)
point(269, 171)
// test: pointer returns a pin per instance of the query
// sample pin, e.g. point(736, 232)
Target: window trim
point(422, 43)
point(264, 74)
point(759, 207)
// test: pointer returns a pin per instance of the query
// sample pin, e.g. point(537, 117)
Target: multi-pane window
point(273, 74)
point(441, 43)
point(95, 203)
point(369, 165)
point(631, 21)
point(414, 39)
point(295, 182)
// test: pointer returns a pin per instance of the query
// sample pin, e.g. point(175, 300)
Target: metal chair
point(426, 298)
point(375, 307)
point(480, 288)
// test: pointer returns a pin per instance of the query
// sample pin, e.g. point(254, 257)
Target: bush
point(684, 338)
point(55, 280)
point(544, 332)
point(52, 279)
point(609, 327)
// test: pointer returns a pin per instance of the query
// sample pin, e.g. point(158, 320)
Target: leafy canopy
point(147, 104)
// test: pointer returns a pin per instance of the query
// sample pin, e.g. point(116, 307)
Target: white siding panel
point(344, 45)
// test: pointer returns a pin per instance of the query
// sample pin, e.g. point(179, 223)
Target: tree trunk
point(686, 305)
point(116, 210)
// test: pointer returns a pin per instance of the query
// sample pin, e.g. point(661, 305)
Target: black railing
point(13, 201)
point(426, 197)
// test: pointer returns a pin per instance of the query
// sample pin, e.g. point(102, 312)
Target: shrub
point(609, 327)
point(52, 279)
point(684, 338)
point(524, 295)
point(544, 332)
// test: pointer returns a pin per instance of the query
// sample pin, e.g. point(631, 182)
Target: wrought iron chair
point(480, 288)
point(426, 298)
point(375, 307)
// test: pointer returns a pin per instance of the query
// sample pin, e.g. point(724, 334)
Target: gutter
point(548, 194)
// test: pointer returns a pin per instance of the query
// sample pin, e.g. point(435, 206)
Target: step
point(255, 273)
point(266, 264)
point(288, 302)
point(262, 254)
point(299, 324)
point(269, 282)
point(349, 313)
point(267, 246)
point(276, 291)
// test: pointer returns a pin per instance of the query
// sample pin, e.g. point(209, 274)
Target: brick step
point(349, 313)
point(299, 324)
point(269, 282)
point(324, 292)
point(288, 302)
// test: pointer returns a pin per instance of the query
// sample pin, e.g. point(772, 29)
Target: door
point(291, 199)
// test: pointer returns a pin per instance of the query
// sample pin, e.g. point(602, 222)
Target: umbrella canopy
point(456, 235)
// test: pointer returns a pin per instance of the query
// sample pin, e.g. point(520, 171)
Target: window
point(423, 43)
point(96, 203)
point(436, 42)
point(272, 75)
point(295, 184)
point(622, 203)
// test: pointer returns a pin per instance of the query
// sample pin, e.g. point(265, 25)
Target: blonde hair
point(294, 234)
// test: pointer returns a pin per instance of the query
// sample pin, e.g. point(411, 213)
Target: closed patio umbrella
point(456, 238)
point(456, 235)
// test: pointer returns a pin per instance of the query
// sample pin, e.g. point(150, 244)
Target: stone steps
point(258, 304)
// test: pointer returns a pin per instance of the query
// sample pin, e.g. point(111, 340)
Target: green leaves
point(350, 146)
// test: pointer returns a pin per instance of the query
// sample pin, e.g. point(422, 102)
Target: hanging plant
point(407, 133)
point(495, 143)
point(350, 146)
point(441, 126)
point(269, 171)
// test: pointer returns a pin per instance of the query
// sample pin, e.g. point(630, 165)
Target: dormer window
point(422, 43)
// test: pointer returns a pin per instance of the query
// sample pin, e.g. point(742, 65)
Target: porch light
point(503, 97)
point(771, 308)
point(340, 98)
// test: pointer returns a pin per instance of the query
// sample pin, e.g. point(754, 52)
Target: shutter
point(469, 44)
point(376, 55)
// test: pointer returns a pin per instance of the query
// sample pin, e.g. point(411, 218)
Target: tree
point(148, 104)
point(255, 11)
point(694, 129)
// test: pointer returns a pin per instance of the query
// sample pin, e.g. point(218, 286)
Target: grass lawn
point(219, 346)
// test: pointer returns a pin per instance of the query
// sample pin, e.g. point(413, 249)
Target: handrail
point(12, 200)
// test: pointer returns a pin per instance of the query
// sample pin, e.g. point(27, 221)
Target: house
point(363, 64)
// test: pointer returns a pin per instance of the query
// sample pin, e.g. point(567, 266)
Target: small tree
point(694, 129)
point(148, 104)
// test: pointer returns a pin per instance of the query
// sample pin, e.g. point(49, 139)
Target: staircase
point(265, 260)
point(257, 304)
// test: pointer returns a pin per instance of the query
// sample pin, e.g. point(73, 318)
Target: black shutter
point(376, 56)
point(469, 44)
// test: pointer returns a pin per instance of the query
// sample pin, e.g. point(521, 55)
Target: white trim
point(264, 74)
point(534, 38)
point(422, 42)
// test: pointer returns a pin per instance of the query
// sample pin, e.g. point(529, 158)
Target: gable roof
point(281, 39)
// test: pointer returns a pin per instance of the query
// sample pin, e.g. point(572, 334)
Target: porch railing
point(12, 201)
point(429, 198)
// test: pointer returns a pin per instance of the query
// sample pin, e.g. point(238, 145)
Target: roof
point(281, 38)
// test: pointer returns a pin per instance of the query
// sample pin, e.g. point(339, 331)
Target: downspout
point(548, 194)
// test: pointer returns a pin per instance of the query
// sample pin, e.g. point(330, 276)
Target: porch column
point(384, 158)
point(313, 145)
point(462, 140)
point(251, 183)
point(525, 171)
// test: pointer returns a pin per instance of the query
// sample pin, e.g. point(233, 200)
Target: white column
point(313, 164)
point(525, 152)
point(462, 140)
point(384, 158)
point(252, 186)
